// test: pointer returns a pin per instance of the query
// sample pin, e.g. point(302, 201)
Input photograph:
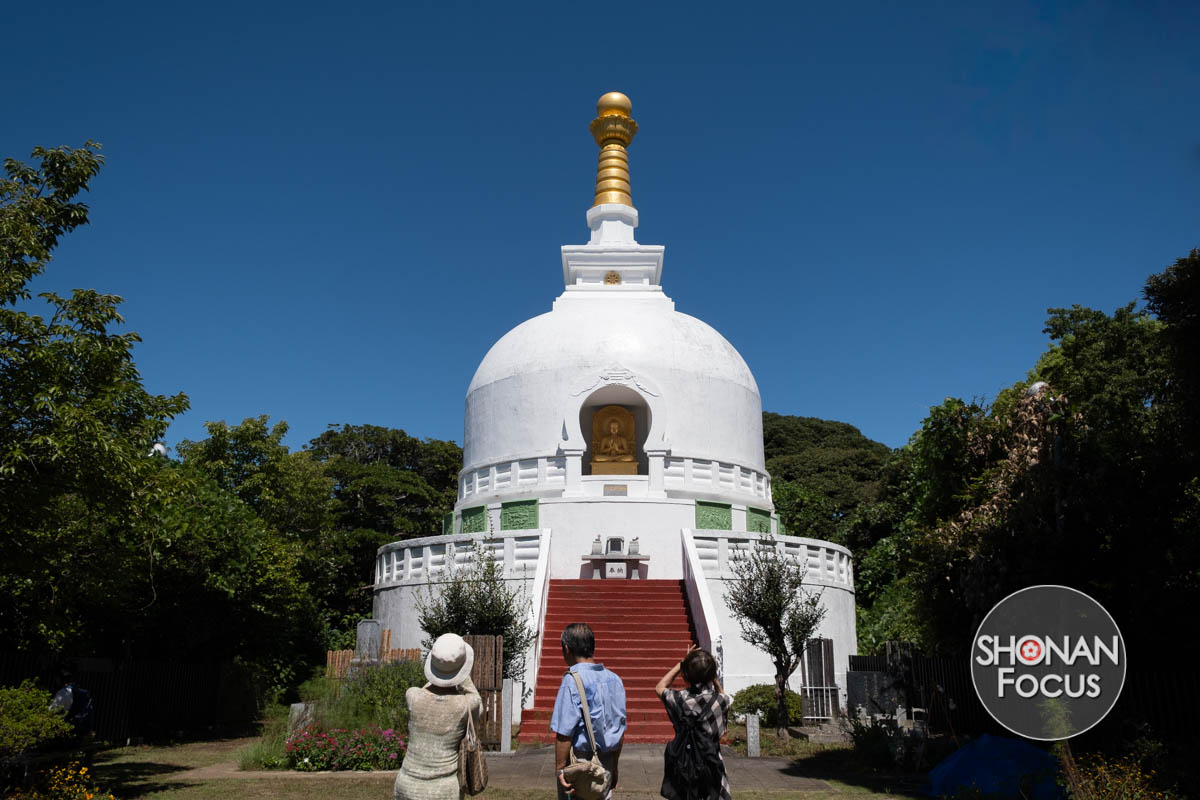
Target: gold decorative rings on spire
point(613, 129)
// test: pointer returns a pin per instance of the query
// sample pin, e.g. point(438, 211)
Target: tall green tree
point(76, 424)
point(387, 486)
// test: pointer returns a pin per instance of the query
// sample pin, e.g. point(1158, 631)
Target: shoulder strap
point(470, 732)
point(587, 715)
point(709, 710)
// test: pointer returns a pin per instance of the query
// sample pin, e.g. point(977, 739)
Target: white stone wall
point(565, 534)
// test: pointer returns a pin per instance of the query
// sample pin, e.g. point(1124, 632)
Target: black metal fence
point(149, 699)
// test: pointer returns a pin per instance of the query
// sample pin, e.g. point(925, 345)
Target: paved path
point(533, 767)
point(642, 771)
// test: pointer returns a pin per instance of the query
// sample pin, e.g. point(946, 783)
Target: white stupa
point(616, 438)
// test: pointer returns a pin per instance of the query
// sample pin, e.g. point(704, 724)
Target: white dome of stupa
point(613, 339)
point(525, 398)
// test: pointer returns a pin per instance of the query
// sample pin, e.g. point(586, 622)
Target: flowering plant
point(71, 782)
point(312, 749)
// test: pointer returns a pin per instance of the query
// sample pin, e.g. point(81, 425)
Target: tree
point(777, 615)
point(290, 494)
point(477, 600)
point(387, 486)
point(830, 460)
point(388, 481)
point(76, 423)
point(1173, 296)
point(804, 511)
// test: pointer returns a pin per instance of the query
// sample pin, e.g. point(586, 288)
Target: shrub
point(476, 599)
point(71, 782)
point(314, 750)
point(358, 723)
point(1094, 777)
point(26, 719)
point(373, 696)
point(760, 698)
point(880, 744)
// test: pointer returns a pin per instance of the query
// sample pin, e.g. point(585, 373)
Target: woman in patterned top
point(699, 669)
point(437, 722)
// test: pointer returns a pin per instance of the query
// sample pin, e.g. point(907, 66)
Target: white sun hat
point(450, 660)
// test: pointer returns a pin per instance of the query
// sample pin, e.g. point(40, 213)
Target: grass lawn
point(208, 771)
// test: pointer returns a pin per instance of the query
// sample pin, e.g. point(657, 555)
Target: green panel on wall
point(758, 521)
point(474, 520)
point(519, 515)
point(714, 516)
point(448, 524)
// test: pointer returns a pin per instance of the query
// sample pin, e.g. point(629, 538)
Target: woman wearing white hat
point(437, 722)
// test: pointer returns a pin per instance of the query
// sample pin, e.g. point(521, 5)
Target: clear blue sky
point(328, 212)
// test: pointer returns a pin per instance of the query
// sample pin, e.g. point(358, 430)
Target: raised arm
point(667, 679)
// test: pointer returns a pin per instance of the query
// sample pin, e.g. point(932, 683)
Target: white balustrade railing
point(539, 593)
point(828, 564)
point(668, 474)
point(426, 559)
point(704, 614)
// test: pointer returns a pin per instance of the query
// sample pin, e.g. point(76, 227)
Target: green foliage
point(388, 481)
point(1095, 456)
point(269, 750)
point(26, 719)
point(777, 615)
point(760, 699)
point(1097, 777)
point(829, 460)
point(373, 696)
point(75, 421)
point(288, 491)
point(804, 511)
point(476, 599)
point(894, 616)
point(386, 486)
point(879, 743)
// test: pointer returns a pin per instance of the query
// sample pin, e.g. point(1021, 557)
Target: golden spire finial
point(613, 129)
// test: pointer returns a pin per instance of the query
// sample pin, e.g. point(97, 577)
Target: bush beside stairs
point(642, 627)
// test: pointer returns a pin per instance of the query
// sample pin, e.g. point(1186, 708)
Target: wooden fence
point(337, 662)
point(487, 673)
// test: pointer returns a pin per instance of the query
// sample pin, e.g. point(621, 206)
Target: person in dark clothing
point(702, 700)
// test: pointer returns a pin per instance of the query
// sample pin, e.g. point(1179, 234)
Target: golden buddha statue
point(613, 442)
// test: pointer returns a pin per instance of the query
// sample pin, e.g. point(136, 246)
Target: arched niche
point(632, 401)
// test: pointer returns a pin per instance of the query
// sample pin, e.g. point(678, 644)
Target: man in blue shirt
point(606, 701)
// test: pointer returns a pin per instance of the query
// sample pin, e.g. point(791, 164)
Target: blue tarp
point(996, 766)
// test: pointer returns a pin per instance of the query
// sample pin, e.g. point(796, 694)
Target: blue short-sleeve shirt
point(606, 702)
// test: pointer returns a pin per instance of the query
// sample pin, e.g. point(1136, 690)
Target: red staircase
point(642, 629)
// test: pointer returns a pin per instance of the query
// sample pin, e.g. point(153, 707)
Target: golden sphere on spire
point(614, 104)
point(613, 129)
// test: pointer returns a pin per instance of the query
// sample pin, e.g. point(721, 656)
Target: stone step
point(642, 628)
